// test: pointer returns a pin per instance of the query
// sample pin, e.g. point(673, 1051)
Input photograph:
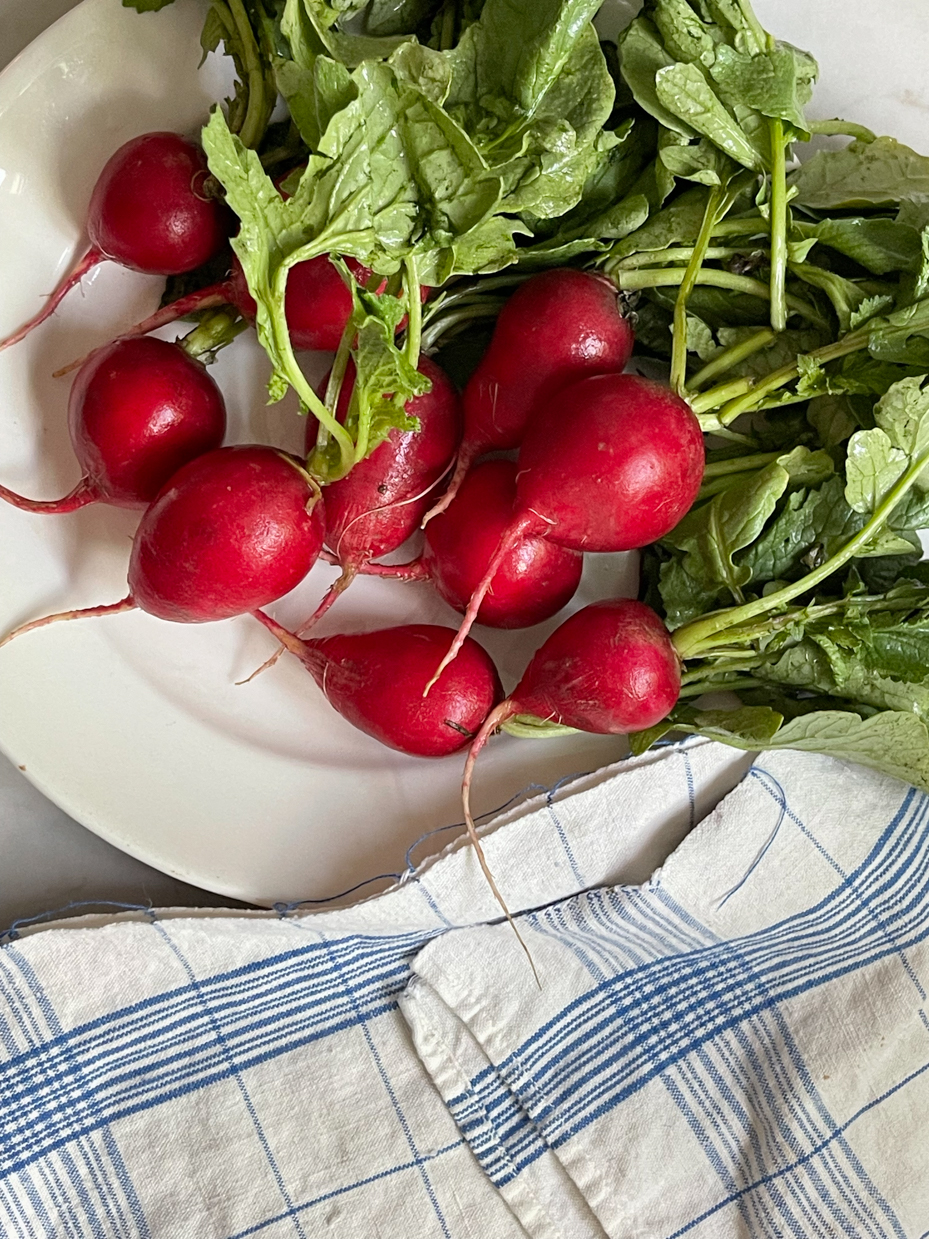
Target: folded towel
point(735, 1045)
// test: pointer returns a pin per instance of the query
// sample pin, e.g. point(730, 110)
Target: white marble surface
point(47, 860)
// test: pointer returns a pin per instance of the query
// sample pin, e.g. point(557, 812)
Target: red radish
point(610, 668)
point(534, 580)
point(557, 327)
point(147, 212)
point(611, 463)
point(317, 304)
point(376, 680)
point(231, 531)
point(138, 410)
point(379, 504)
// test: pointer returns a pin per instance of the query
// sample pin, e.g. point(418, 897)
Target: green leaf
point(879, 245)
point(349, 48)
point(902, 336)
point(892, 742)
point(684, 92)
point(903, 412)
point(711, 534)
point(682, 32)
point(873, 467)
point(833, 418)
point(847, 297)
point(776, 83)
point(808, 521)
point(530, 84)
point(863, 174)
point(147, 6)
point(643, 57)
point(394, 17)
point(677, 224)
point(703, 163)
point(419, 66)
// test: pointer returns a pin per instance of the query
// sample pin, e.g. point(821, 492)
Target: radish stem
point(633, 281)
point(679, 336)
point(696, 637)
point(778, 227)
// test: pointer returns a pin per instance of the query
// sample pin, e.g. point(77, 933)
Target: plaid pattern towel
point(738, 1047)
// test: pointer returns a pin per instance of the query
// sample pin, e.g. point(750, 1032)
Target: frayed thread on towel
point(53, 914)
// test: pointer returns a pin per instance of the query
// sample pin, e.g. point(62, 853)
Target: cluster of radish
point(606, 462)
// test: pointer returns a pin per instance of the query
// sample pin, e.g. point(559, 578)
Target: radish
point(534, 580)
point(232, 530)
point(379, 504)
point(559, 326)
point(376, 680)
point(612, 463)
point(317, 304)
point(610, 668)
point(148, 211)
point(138, 410)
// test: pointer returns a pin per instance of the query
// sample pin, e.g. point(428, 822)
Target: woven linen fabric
point(737, 1047)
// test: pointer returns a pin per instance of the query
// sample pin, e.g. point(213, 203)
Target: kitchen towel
point(736, 1045)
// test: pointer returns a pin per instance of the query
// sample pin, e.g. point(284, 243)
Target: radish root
point(112, 608)
point(494, 719)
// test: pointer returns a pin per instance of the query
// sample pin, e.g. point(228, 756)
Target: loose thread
point(12, 933)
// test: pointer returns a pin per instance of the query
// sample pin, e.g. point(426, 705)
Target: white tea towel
point(710, 1053)
point(740, 1047)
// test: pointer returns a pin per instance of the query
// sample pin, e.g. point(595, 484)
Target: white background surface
point(45, 858)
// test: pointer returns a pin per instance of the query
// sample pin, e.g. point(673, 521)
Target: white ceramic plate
point(133, 726)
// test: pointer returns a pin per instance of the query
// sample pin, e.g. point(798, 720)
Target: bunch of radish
point(606, 462)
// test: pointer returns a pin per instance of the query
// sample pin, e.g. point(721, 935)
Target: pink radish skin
point(558, 327)
point(610, 668)
point(610, 463)
point(534, 580)
point(232, 531)
point(379, 504)
point(147, 212)
point(317, 305)
point(376, 680)
point(138, 411)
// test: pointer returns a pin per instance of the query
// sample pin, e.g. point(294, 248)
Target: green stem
point(721, 432)
point(740, 464)
point(471, 291)
point(297, 378)
point(748, 226)
point(338, 371)
point(679, 333)
point(741, 395)
point(762, 38)
point(778, 226)
point(254, 125)
point(698, 690)
point(215, 330)
point(527, 727)
point(633, 281)
point(842, 129)
point(680, 254)
point(414, 327)
point(715, 486)
point(694, 638)
point(489, 308)
point(447, 34)
point(732, 356)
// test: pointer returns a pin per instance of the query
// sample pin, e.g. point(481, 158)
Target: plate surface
point(136, 727)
